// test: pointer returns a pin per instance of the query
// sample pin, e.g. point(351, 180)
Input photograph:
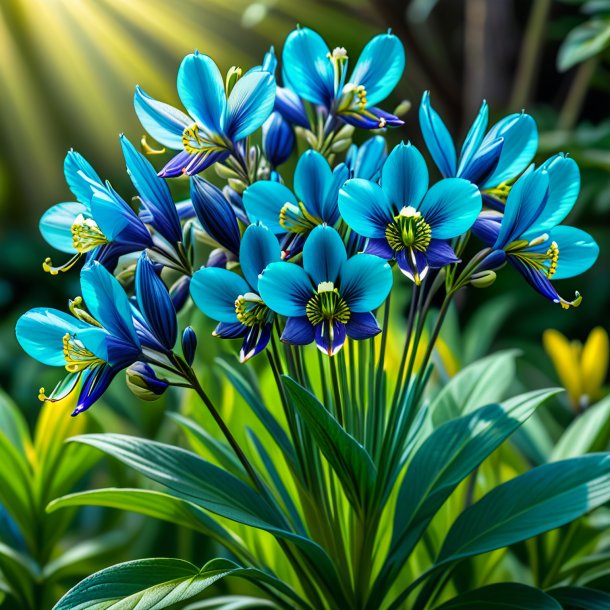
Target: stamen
point(409, 230)
point(86, 235)
point(296, 218)
point(77, 356)
point(500, 192)
point(251, 310)
point(42, 395)
point(148, 149)
point(189, 135)
point(78, 312)
point(327, 304)
point(48, 266)
point(553, 254)
point(196, 140)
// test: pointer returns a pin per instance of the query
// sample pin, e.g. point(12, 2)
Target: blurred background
point(68, 69)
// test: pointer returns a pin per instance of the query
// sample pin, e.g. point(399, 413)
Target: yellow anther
point(77, 356)
point(191, 140)
point(553, 255)
point(86, 235)
point(148, 149)
point(41, 395)
point(76, 309)
point(48, 266)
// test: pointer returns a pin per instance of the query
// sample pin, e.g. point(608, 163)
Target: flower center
point(544, 262)
point(327, 304)
point(409, 230)
point(296, 218)
point(86, 235)
point(196, 140)
point(251, 311)
point(77, 356)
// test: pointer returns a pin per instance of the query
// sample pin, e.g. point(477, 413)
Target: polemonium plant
point(361, 472)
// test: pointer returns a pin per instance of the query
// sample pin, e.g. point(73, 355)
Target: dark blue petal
point(362, 325)
point(298, 331)
point(218, 257)
point(380, 247)
point(494, 260)
point(189, 344)
point(437, 138)
point(203, 160)
point(230, 330)
point(215, 214)
point(440, 253)
point(483, 163)
point(413, 264)
point(371, 118)
point(154, 193)
point(487, 226)
point(149, 379)
point(176, 165)
point(94, 383)
point(306, 67)
point(259, 247)
point(278, 139)
point(330, 336)
point(179, 292)
point(255, 341)
point(155, 303)
point(291, 107)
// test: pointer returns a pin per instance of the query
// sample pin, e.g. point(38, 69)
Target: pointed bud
point(484, 279)
point(402, 108)
point(179, 292)
point(143, 382)
point(237, 185)
point(339, 146)
point(189, 344)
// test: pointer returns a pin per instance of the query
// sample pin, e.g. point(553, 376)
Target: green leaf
point(581, 598)
point(13, 424)
point(540, 500)
point(150, 584)
point(583, 42)
point(231, 602)
point(502, 596)
point(348, 458)
point(150, 503)
point(589, 432)
point(481, 383)
point(20, 571)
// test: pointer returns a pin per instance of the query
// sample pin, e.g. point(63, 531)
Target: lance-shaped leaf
point(581, 598)
point(444, 460)
point(502, 596)
point(348, 458)
point(153, 584)
point(540, 500)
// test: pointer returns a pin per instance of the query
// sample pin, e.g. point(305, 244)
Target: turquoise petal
point(162, 121)
point(365, 207)
point(404, 177)
point(525, 202)
point(564, 187)
point(450, 207)
point(379, 67)
point(107, 301)
point(312, 180)
point(215, 290)
point(56, 224)
point(437, 138)
point(202, 91)
point(473, 139)
point(40, 333)
point(264, 200)
point(323, 254)
point(306, 67)
point(578, 251)
point(520, 135)
point(259, 247)
point(366, 281)
point(285, 289)
point(80, 176)
point(250, 104)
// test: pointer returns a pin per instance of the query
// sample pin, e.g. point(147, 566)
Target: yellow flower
point(581, 369)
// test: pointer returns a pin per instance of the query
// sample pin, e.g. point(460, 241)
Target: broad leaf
point(581, 598)
point(502, 596)
point(151, 584)
point(483, 382)
point(540, 500)
point(583, 42)
point(348, 458)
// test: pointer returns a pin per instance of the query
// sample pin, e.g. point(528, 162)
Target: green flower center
point(251, 311)
point(409, 230)
point(296, 218)
point(327, 304)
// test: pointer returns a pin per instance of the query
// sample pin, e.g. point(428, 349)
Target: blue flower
point(529, 234)
point(490, 159)
point(233, 300)
point(92, 345)
point(319, 76)
point(99, 225)
point(331, 296)
point(278, 139)
point(403, 219)
point(365, 161)
point(314, 202)
point(218, 118)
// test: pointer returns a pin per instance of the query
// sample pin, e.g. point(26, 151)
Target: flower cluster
point(307, 259)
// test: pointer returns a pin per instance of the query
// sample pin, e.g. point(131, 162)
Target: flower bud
point(278, 139)
point(402, 108)
point(189, 344)
point(179, 292)
point(143, 382)
point(484, 279)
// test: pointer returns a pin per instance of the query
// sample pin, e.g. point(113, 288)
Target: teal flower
point(234, 301)
point(219, 117)
point(491, 159)
point(529, 234)
point(314, 202)
point(331, 296)
point(320, 76)
point(405, 220)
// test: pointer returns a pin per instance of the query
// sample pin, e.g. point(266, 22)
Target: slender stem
point(336, 390)
point(529, 58)
point(577, 94)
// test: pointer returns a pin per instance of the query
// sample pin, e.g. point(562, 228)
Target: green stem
point(336, 390)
